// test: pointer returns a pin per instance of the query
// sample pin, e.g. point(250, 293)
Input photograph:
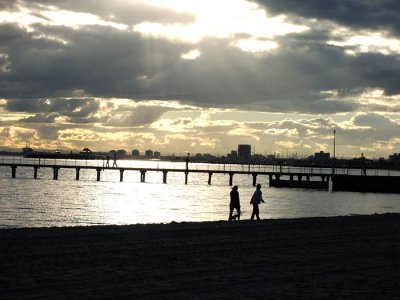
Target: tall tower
point(244, 151)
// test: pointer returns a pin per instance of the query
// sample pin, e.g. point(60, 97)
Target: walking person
point(234, 204)
point(115, 161)
point(256, 199)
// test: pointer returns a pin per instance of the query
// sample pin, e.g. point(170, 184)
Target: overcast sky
point(201, 76)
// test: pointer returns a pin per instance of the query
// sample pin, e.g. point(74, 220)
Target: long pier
point(274, 176)
point(289, 178)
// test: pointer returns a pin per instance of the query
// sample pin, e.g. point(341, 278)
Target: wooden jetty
point(276, 179)
point(288, 179)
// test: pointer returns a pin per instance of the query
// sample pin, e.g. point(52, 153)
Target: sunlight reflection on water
point(25, 202)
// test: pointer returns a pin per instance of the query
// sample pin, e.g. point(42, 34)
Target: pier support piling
point(165, 176)
point(142, 176)
point(98, 173)
point(77, 173)
point(13, 171)
point(35, 171)
point(55, 173)
point(121, 175)
point(231, 178)
point(186, 177)
point(209, 177)
point(254, 179)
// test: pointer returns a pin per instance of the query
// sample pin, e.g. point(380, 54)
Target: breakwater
point(372, 184)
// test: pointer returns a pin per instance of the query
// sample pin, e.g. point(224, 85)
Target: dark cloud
point(378, 127)
point(7, 5)
point(367, 14)
point(41, 118)
point(48, 132)
point(100, 61)
point(104, 62)
point(68, 107)
point(139, 116)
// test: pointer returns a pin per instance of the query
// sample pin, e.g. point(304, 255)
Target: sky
point(201, 76)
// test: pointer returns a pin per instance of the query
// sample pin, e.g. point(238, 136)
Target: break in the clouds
point(201, 75)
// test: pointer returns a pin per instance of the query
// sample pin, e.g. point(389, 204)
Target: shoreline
point(320, 257)
point(153, 226)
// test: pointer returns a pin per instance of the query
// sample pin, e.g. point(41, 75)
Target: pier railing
point(278, 175)
point(220, 168)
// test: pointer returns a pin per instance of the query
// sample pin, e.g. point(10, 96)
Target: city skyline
point(229, 153)
point(201, 76)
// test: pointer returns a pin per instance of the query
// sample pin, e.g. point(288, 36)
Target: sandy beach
point(332, 258)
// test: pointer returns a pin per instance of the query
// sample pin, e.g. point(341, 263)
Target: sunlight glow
point(282, 131)
point(72, 19)
point(23, 16)
point(171, 32)
point(242, 131)
point(213, 19)
point(50, 38)
point(367, 98)
point(366, 42)
point(52, 16)
point(191, 55)
point(252, 45)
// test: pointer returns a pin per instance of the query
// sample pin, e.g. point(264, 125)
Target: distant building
point(244, 151)
point(121, 152)
point(135, 153)
point(233, 155)
point(157, 154)
point(394, 159)
point(148, 153)
point(321, 158)
point(26, 151)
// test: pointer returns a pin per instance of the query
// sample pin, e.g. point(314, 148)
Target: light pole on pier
point(334, 143)
point(334, 151)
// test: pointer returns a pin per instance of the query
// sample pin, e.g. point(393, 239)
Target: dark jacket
point(235, 202)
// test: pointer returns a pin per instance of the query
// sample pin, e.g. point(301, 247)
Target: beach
point(331, 257)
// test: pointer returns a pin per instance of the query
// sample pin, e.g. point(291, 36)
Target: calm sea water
point(44, 202)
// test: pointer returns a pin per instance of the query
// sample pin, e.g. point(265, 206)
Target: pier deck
point(291, 178)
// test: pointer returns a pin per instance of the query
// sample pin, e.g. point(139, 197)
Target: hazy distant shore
point(335, 257)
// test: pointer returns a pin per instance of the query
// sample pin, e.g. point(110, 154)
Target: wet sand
point(334, 258)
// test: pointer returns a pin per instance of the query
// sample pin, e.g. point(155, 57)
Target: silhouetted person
point(364, 164)
point(235, 203)
point(255, 200)
point(108, 161)
point(115, 161)
point(187, 162)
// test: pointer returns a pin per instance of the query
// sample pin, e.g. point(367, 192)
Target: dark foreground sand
point(341, 257)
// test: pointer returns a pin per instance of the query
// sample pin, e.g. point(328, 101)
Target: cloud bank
point(154, 74)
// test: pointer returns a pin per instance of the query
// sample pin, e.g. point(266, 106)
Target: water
point(44, 202)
